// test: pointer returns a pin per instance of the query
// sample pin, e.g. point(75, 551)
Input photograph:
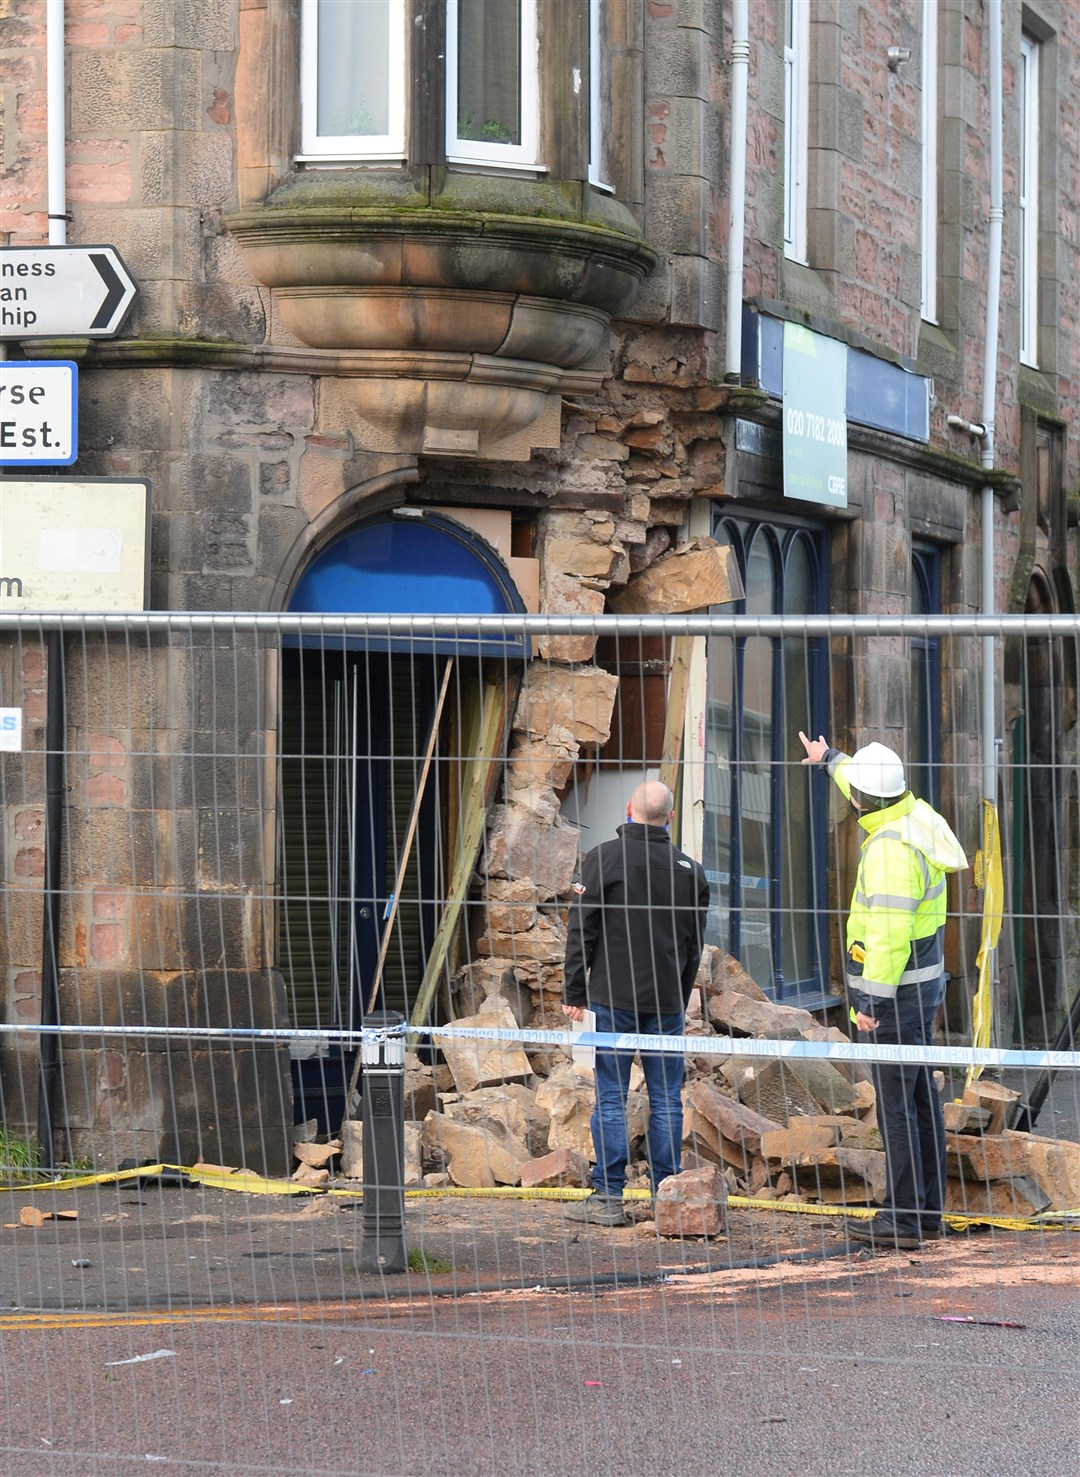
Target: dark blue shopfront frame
point(879, 393)
point(426, 565)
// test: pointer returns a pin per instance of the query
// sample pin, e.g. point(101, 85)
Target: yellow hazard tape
point(257, 1184)
point(991, 878)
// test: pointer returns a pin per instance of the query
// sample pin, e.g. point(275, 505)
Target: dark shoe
point(598, 1210)
point(882, 1234)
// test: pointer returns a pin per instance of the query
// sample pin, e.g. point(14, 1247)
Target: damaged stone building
point(454, 307)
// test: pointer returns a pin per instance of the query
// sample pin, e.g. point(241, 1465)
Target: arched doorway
point(377, 739)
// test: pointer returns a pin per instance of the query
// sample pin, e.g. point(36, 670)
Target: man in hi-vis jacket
point(896, 976)
point(637, 926)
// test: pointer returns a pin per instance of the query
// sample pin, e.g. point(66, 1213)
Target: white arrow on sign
point(63, 291)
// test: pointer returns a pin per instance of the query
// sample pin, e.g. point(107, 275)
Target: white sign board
point(815, 417)
point(39, 412)
point(74, 545)
point(63, 291)
point(10, 730)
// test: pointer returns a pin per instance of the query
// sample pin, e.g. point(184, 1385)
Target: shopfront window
point(924, 754)
point(765, 814)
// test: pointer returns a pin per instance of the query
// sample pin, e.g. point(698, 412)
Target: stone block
point(560, 1167)
point(728, 1120)
point(567, 1096)
point(696, 574)
point(770, 1088)
point(828, 1086)
point(511, 905)
point(966, 1118)
point(544, 942)
point(742, 1015)
point(580, 699)
point(692, 1203)
point(523, 845)
point(308, 1174)
point(1002, 1103)
point(726, 974)
point(1017, 1197)
point(546, 762)
point(475, 1158)
point(480, 1063)
point(1054, 1165)
point(853, 1071)
point(862, 1169)
point(419, 1088)
point(473, 983)
point(509, 1112)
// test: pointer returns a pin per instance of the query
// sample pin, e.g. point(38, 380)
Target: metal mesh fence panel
point(304, 1165)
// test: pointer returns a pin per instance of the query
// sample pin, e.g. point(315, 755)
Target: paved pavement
point(223, 1332)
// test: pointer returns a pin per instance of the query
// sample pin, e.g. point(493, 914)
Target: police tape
point(932, 1054)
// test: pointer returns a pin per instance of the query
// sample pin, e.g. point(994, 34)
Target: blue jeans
point(909, 1109)
point(663, 1078)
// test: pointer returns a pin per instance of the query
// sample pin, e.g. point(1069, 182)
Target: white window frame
point(796, 127)
point(492, 155)
point(929, 230)
point(319, 148)
point(597, 120)
point(1028, 267)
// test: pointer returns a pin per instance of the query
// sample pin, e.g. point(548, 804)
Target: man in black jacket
point(637, 926)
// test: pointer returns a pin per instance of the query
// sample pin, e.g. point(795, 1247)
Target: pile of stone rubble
point(498, 1113)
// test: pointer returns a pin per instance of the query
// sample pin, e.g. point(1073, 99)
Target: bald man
point(637, 925)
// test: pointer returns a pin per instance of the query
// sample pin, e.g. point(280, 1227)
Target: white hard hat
point(876, 770)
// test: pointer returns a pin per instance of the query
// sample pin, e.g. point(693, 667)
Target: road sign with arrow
point(63, 292)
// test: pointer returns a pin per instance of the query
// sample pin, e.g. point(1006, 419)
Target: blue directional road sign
point(39, 412)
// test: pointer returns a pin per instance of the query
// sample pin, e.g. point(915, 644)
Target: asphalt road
point(257, 1348)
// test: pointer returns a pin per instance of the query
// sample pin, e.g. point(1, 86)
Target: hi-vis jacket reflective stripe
point(898, 908)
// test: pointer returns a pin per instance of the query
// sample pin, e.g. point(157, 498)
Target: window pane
point(923, 726)
point(796, 850)
point(716, 832)
point(354, 68)
point(719, 740)
point(755, 769)
point(489, 71)
point(600, 115)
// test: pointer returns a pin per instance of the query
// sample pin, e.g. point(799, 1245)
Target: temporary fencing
point(268, 877)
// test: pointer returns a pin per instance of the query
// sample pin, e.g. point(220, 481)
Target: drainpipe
point(55, 97)
point(740, 71)
point(990, 361)
point(55, 722)
point(49, 1049)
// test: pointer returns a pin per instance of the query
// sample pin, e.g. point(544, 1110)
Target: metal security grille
point(227, 840)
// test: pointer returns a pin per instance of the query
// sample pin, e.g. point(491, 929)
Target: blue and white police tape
point(932, 1055)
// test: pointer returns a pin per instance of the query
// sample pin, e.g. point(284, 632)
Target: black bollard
point(382, 1098)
